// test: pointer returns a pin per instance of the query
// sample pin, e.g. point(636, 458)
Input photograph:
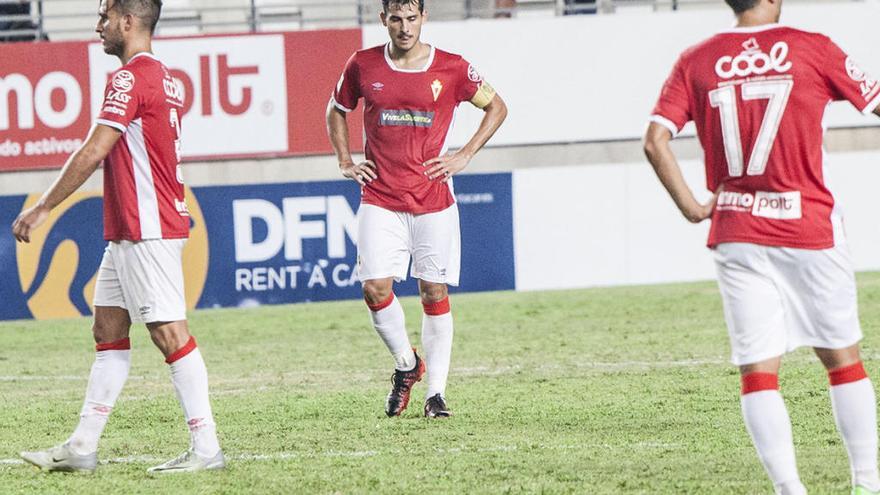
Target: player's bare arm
point(451, 164)
point(79, 167)
point(337, 128)
point(660, 154)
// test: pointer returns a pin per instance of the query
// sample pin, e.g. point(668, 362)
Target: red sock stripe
point(119, 345)
point(438, 308)
point(847, 374)
point(757, 382)
point(182, 352)
point(382, 305)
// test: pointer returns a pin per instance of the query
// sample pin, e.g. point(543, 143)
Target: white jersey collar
point(143, 54)
point(398, 69)
point(753, 29)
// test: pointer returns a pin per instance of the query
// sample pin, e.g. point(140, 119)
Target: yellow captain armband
point(483, 96)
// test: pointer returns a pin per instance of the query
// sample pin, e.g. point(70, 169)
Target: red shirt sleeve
point(469, 81)
point(847, 81)
point(673, 109)
point(348, 89)
point(122, 100)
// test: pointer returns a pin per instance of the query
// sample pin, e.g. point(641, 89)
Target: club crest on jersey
point(753, 61)
point(473, 75)
point(123, 81)
point(436, 88)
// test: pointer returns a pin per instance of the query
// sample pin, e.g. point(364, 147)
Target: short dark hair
point(148, 11)
point(420, 3)
point(740, 6)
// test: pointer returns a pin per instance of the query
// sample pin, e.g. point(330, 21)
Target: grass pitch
point(623, 390)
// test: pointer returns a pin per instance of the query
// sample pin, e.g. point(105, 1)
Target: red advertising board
point(247, 96)
point(44, 103)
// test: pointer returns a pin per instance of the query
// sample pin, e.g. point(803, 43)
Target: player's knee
point(169, 337)
point(376, 292)
point(104, 333)
point(433, 293)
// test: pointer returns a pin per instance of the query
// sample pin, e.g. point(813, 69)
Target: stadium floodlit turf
point(623, 390)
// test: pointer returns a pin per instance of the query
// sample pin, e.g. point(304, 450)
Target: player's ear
point(384, 18)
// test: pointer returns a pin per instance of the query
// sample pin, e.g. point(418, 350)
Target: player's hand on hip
point(699, 212)
point(27, 221)
point(444, 167)
point(362, 173)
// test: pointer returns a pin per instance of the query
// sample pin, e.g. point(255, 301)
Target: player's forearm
point(496, 113)
point(337, 131)
point(79, 167)
point(666, 167)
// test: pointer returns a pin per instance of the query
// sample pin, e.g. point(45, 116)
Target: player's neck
point(134, 49)
point(413, 58)
point(755, 18)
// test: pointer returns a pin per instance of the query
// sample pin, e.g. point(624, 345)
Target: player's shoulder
point(371, 55)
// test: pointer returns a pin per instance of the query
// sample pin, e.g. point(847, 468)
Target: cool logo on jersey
point(58, 269)
point(753, 61)
point(773, 205)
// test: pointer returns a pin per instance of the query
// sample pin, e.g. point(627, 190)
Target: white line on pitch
point(280, 456)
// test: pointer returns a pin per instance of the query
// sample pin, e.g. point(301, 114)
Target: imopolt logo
point(58, 269)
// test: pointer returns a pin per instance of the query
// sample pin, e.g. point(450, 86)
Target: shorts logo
point(145, 310)
point(58, 270)
point(774, 205)
point(377, 86)
point(406, 118)
point(123, 81)
point(753, 61)
point(473, 75)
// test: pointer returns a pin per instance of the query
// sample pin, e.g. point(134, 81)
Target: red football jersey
point(143, 191)
point(408, 117)
point(758, 98)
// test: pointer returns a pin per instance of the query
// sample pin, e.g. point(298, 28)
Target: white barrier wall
point(587, 78)
point(614, 224)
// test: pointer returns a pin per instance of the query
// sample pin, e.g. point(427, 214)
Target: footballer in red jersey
point(408, 219)
point(758, 95)
point(137, 136)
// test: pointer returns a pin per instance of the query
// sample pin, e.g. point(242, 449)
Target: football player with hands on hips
point(408, 219)
point(146, 224)
point(758, 93)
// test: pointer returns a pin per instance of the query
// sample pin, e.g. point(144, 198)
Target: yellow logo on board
point(58, 269)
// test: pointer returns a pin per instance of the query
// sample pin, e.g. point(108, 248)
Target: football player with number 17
point(758, 94)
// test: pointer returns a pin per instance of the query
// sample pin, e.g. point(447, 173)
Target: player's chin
point(405, 43)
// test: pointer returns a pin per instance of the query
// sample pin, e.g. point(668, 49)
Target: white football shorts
point(387, 239)
point(145, 277)
point(779, 299)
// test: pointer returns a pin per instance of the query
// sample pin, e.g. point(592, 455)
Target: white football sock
point(190, 378)
point(768, 424)
point(108, 376)
point(855, 412)
point(437, 332)
point(390, 323)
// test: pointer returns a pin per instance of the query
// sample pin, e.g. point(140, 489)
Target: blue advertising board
point(250, 245)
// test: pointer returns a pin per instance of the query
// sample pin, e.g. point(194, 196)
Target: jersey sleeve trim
point(659, 119)
point(340, 107)
point(870, 107)
point(110, 123)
